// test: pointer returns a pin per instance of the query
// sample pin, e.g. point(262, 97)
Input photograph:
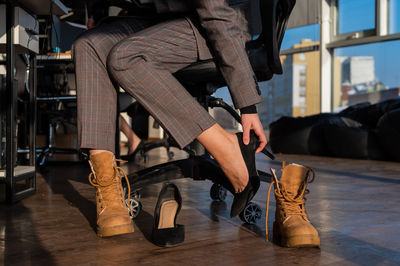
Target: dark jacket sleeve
point(227, 39)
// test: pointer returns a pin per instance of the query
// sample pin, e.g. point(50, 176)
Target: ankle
point(133, 144)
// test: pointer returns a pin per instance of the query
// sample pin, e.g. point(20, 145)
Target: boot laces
point(116, 180)
point(291, 204)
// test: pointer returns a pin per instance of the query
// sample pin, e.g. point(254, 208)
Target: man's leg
point(97, 98)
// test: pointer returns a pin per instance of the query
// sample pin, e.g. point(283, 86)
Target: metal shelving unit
point(19, 180)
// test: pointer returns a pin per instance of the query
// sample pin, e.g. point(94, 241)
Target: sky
point(356, 15)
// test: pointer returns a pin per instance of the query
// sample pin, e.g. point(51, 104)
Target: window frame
point(350, 35)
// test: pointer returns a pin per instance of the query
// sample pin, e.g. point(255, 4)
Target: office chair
point(202, 79)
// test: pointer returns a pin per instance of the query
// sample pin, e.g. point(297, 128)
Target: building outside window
point(369, 73)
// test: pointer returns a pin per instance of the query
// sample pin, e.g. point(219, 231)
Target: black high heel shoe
point(131, 157)
point(241, 199)
point(166, 233)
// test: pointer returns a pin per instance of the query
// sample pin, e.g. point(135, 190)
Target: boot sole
point(115, 230)
point(299, 241)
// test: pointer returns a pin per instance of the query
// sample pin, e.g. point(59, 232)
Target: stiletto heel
point(241, 199)
point(131, 157)
point(166, 233)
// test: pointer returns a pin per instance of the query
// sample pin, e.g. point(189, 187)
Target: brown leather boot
point(292, 228)
point(112, 213)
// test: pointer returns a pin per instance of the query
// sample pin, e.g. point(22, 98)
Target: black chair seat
point(200, 73)
point(203, 72)
point(125, 101)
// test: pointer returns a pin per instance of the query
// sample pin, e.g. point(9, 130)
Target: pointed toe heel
point(241, 199)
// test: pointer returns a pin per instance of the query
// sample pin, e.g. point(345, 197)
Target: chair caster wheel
point(83, 156)
point(251, 213)
point(218, 192)
point(171, 155)
point(136, 195)
point(136, 207)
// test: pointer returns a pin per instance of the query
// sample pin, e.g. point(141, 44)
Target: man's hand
point(252, 122)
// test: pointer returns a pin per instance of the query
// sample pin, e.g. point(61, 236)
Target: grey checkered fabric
point(96, 93)
point(143, 65)
point(141, 59)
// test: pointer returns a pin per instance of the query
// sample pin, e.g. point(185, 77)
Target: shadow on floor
point(19, 241)
point(343, 173)
point(145, 224)
point(359, 176)
point(58, 179)
point(358, 251)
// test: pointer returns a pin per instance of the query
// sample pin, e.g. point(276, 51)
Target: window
point(355, 15)
point(302, 101)
point(302, 91)
point(366, 73)
point(394, 16)
point(302, 68)
point(302, 80)
point(302, 57)
point(296, 35)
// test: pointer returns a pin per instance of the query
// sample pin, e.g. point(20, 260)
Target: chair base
point(198, 168)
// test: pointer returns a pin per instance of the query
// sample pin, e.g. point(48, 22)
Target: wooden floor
point(354, 204)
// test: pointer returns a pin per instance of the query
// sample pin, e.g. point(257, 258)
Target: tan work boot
point(292, 228)
point(112, 213)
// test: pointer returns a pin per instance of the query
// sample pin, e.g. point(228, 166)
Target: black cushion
point(200, 73)
point(300, 135)
point(206, 71)
point(125, 100)
point(369, 114)
point(349, 139)
point(389, 133)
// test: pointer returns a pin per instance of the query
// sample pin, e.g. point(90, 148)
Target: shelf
point(25, 29)
point(54, 57)
point(18, 171)
point(43, 7)
point(69, 98)
point(20, 181)
point(24, 193)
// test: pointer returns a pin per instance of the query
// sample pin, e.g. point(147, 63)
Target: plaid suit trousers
point(140, 57)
